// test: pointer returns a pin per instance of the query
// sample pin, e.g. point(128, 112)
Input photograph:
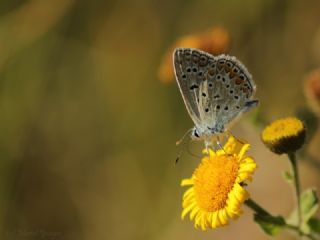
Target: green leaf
point(309, 206)
point(270, 225)
point(314, 225)
point(288, 177)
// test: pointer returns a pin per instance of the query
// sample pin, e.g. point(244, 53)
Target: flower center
point(214, 179)
point(282, 128)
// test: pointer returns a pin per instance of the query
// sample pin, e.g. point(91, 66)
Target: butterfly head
point(206, 132)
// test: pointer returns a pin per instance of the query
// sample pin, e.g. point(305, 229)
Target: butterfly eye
point(195, 133)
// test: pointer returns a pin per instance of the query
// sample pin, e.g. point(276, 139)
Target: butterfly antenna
point(189, 151)
point(183, 137)
point(230, 134)
point(182, 140)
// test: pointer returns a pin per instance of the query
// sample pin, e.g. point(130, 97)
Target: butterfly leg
point(219, 144)
point(207, 145)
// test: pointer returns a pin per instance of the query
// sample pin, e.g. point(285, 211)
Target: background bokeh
point(88, 131)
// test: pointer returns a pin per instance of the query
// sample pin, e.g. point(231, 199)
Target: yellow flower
point(284, 135)
point(216, 186)
point(215, 41)
point(312, 90)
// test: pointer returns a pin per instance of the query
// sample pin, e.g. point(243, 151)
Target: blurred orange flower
point(215, 41)
point(312, 90)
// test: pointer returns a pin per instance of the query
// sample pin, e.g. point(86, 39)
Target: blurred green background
point(88, 131)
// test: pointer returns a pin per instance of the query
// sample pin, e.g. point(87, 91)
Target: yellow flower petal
point(187, 209)
point(194, 212)
point(186, 182)
point(223, 218)
point(243, 150)
point(214, 220)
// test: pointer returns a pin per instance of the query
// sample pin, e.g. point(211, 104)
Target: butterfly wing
point(232, 91)
point(190, 73)
point(215, 89)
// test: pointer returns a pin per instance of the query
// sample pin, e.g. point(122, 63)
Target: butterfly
point(216, 90)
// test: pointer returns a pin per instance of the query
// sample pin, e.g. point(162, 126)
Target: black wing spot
point(242, 77)
point(188, 69)
point(200, 74)
point(218, 77)
point(194, 69)
point(226, 108)
point(210, 85)
point(204, 94)
point(223, 79)
point(238, 107)
point(231, 91)
point(216, 96)
point(236, 97)
point(194, 86)
point(218, 107)
point(184, 76)
point(206, 110)
point(228, 86)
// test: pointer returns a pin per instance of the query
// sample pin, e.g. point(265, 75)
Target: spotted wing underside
point(214, 88)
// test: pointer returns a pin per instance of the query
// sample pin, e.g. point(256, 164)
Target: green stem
point(262, 212)
point(293, 161)
point(256, 207)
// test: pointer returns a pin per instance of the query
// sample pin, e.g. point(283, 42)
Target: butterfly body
point(215, 89)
